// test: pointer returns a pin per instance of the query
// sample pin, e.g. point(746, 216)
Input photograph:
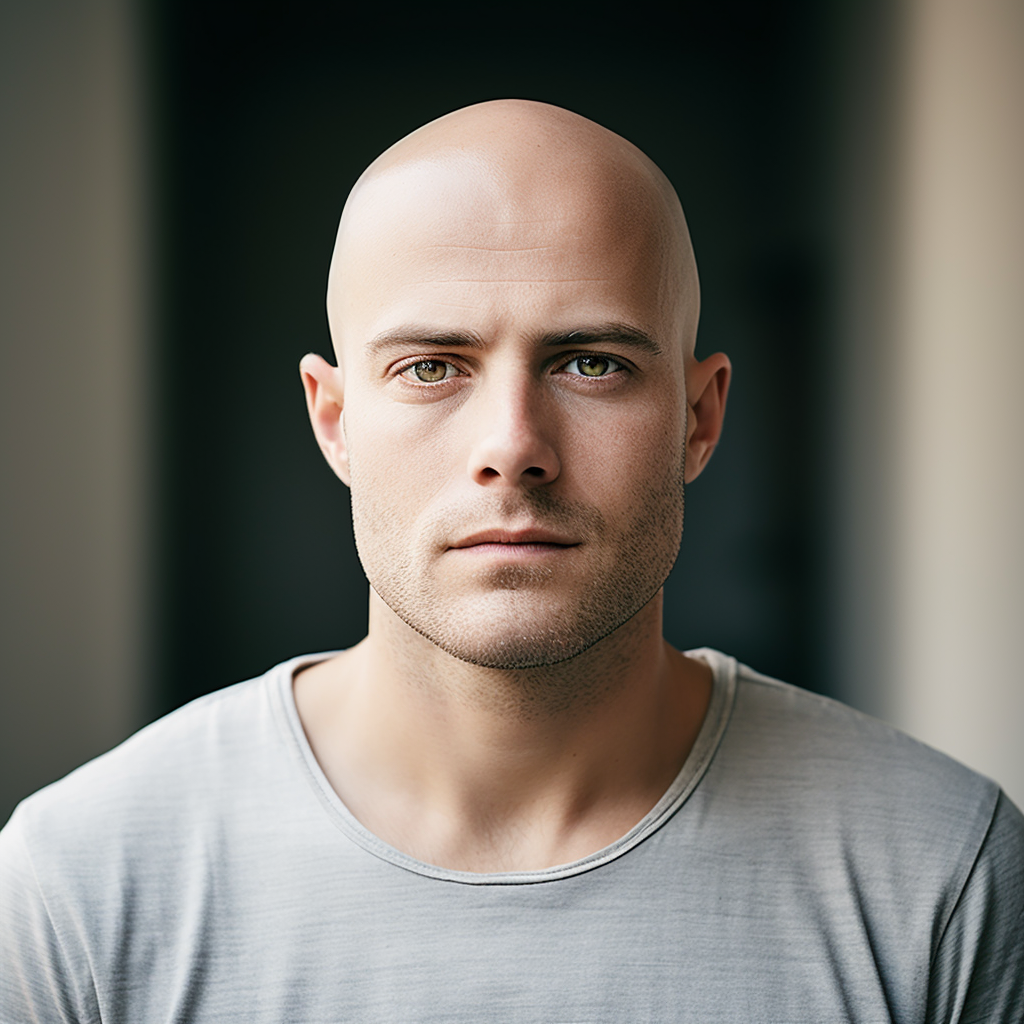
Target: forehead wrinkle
point(515, 280)
point(482, 248)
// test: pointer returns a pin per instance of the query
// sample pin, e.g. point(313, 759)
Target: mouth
point(505, 541)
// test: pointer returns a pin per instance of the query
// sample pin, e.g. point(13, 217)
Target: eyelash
point(402, 370)
point(617, 366)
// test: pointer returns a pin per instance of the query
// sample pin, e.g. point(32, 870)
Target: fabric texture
point(808, 864)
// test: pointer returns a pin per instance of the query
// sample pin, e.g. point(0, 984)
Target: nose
point(512, 441)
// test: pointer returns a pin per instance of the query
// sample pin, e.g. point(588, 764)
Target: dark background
point(267, 115)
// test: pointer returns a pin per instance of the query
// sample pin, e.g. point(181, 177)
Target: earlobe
point(325, 398)
point(707, 387)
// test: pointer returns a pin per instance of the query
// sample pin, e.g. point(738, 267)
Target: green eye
point(592, 366)
point(429, 371)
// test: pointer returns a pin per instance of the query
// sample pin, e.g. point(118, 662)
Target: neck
point(487, 769)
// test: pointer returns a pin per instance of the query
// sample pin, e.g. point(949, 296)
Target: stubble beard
point(515, 622)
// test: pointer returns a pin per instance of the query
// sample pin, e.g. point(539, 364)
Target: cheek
point(400, 455)
point(634, 441)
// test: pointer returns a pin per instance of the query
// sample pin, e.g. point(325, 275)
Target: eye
point(592, 366)
point(430, 371)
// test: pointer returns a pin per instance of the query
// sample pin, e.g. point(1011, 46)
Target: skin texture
point(516, 408)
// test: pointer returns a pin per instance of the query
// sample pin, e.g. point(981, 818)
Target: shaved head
point(504, 164)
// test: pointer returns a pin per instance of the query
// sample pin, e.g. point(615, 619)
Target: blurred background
point(170, 184)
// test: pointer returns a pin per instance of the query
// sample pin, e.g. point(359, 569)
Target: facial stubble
point(521, 619)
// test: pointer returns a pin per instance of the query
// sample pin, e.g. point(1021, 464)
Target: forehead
point(454, 239)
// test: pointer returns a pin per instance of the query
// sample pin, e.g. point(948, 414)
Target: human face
point(514, 411)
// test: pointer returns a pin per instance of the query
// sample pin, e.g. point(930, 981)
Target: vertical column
point(73, 394)
point(931, 495)
point(958, 568)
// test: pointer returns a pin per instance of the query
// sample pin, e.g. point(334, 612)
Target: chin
point(515, 652)
point(507, 633)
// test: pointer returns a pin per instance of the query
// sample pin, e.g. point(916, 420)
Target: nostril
point(516, 460)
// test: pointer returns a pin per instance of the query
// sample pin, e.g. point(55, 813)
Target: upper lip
point(531, 535)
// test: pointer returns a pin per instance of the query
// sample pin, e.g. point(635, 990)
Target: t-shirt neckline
point(723, 670)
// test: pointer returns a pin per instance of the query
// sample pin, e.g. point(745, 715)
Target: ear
point(707, 387)
point(325, 397)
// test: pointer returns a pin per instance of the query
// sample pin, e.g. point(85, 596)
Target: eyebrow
point(603, 334)
point(596, 334)
point(416, 334)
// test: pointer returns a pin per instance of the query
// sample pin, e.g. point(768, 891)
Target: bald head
point(530, 191)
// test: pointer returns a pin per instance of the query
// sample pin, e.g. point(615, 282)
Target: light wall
point(74, 406)
point(933, 489)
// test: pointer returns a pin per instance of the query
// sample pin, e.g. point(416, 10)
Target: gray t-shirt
point(808, 864)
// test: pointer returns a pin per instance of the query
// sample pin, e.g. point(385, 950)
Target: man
point(513, 800)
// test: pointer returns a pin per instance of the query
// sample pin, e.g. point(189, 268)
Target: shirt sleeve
point(35, 983)
point(978, 968)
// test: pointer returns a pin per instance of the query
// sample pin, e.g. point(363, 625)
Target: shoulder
point(815, 783)
point(74, 854)
point(826, 750)
point(164, 761)
point(116, 857)
point(163, 778)
point(924, 854)
point(119, 852)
